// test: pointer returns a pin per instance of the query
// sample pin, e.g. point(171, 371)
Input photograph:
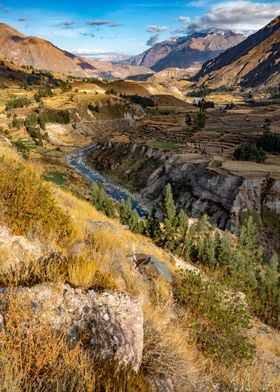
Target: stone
point(152, 267)
point(110, 324)
point(16, 249)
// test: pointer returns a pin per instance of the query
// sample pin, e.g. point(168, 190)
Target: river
point(77, 161)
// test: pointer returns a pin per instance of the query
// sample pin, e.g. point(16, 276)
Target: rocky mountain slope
point(253, 62)
point(42, 54)
point(169, 74)
point(185, 52)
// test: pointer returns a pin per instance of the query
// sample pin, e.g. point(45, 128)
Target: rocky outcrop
point(225, 197)
point(109, 324)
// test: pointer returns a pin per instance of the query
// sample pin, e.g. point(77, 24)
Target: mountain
point(184, 52)
point(42, 54)
point(169, 74)
point(253, 62)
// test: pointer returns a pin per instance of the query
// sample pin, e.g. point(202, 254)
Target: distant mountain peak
point(186, 51)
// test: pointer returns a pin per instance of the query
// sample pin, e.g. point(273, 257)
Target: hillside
point(253, 62)
point(42, 54)
point(85, 290)
point(185, 52)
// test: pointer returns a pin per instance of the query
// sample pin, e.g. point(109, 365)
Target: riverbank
point(77, 161)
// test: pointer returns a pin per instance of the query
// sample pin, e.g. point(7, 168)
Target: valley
point(140, 214)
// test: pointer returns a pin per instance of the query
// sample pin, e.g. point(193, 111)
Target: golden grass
point(89, 273)
point(167, 352)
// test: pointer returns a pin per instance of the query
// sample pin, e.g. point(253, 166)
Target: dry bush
point(28, 204)
point(167, 352)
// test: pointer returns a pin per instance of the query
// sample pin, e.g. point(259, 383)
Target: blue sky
point(113, 28)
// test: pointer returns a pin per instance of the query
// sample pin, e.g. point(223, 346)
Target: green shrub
point(249, 152)
point(17, 103)
point(217, 321)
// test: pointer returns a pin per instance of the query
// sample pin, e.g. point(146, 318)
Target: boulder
point(152, 267)
point(109, 324)
point(16, 249)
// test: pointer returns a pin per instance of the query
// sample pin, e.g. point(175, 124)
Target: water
point(76, 160)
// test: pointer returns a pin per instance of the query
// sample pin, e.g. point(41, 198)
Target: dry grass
point(167, 352)
point(35, 358)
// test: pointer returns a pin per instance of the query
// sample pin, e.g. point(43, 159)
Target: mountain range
point(42, 54)
point(253, 62)
point(185, 52)
point(227, 58)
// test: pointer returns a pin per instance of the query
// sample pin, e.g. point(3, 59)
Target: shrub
point(28, 204)
point(249, 152)
point(217, 321)
point(17, 103)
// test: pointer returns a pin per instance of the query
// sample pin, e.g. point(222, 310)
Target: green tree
point(152, 226)
point(130, 217)
point(101, 201)
point(168, 206)
point(247, 241)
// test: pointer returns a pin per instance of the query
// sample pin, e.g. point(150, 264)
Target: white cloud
point(156, 29)
point(197, 3)
point(184, 19)
point(153, 40)
point(240, 16)
point(84, 52)
point(101, 22)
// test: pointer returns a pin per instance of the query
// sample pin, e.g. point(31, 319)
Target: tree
point(101, 201)
point(168, 206)
point(152, 226)
point(247, 241)
point(199, 121)
point(249, 152)
point(130, 217)
point(267, 298)
point(223, 249)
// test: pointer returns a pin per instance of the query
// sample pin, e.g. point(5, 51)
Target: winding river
point(77, 161)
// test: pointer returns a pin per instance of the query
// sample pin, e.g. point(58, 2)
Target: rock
point(16, 249)
point(152, 267)
point(109, 324)
point(77, 248)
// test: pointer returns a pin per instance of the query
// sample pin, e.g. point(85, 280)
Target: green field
point(56, 177)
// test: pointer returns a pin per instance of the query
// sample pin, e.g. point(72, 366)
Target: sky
point(115, 29)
